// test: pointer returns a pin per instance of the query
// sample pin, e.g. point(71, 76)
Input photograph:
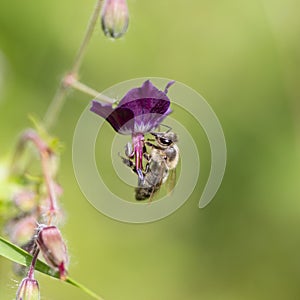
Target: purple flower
point(140, 111)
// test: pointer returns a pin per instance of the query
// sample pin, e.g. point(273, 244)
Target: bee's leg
point(147, 156)
point(129, 163)
point(144, 149)
point(141, 177)
point(129, 152)
point(147, 168)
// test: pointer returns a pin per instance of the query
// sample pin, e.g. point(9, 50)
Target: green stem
point(87, 37)
point(32, 265)
point(61, 93)
point(71, 81)
point(55, 106)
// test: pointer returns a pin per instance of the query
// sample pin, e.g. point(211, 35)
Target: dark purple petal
point(159, 106)
point(146, 91)
point(118, 118)
point(147, 106)
point(101, 109)
point(122, 120)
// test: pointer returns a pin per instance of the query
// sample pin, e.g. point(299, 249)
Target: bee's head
point(165, 139)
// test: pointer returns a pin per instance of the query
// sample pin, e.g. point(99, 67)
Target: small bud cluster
point(33, 225)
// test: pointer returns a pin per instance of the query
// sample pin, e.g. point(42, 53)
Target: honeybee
point(162, 160)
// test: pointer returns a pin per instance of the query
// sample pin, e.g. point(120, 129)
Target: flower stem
point(70, 80)
point(61, 93)
point(55, 106)
point(87, 37)
point(32, 265)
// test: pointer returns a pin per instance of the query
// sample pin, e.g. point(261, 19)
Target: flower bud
point(53, 248)
point(28, 290)
point(115, 18)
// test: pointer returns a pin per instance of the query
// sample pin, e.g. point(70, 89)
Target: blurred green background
point(244, 58)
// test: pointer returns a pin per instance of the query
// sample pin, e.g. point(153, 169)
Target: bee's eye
point(166, 142)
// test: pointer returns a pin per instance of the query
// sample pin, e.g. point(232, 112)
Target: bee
point(162, 160)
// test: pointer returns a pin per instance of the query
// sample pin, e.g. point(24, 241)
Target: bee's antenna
point(169, 128)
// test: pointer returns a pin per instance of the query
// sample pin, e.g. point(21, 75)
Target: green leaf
point(18, 255)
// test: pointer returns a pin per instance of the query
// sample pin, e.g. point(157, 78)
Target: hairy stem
point(71, 81)
point(87, 37)
point(55, 106)
point(32, 265)
point(61, 93)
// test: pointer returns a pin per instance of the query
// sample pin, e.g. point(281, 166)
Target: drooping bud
point(53, 248)
point(28, 290)
point(115, 18)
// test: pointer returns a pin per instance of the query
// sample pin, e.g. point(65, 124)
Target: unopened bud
point(115, 18)
point(28, 290)
point(53, 248)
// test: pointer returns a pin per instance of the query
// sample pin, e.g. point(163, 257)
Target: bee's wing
point(171, 181)
point(153, 194)
point(161, 176)
point(157, 187)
